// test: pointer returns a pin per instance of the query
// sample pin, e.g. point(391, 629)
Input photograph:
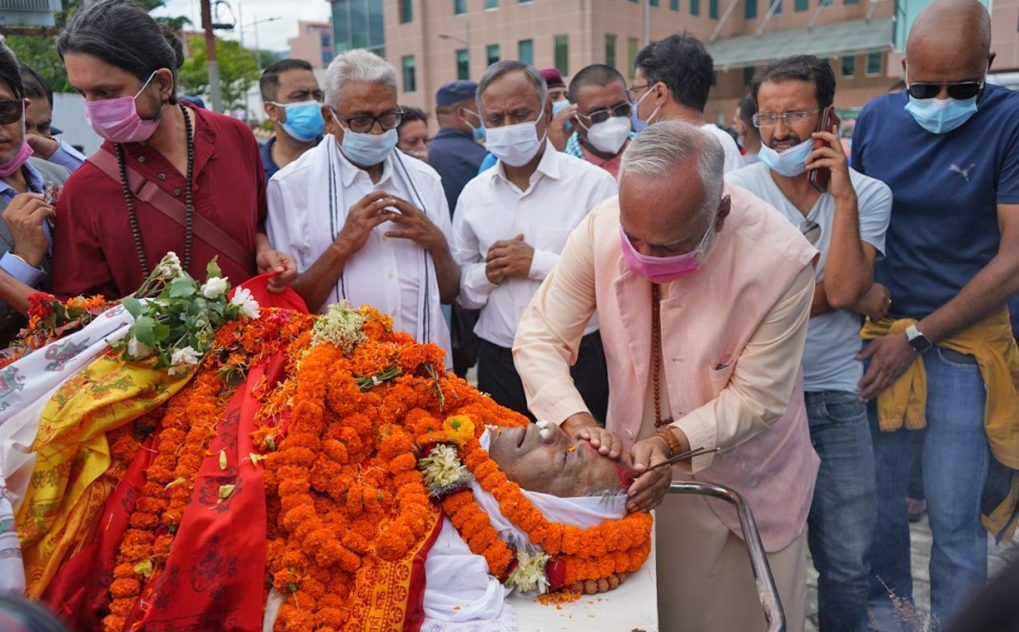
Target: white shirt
point(833, 339)
point(733, 159)
point(561, 192)
point(395, 276)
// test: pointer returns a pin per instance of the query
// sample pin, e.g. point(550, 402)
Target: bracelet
point(670, 439)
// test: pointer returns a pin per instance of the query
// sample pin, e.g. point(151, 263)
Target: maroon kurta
point(93, 248)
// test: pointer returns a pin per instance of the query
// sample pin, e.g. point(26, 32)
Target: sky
point(271, 35)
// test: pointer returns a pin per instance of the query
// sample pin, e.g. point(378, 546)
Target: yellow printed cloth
point(67, 489)
point(904, 403)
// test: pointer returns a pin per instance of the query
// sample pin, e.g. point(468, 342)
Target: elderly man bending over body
point(703, 293)
point(364, 222)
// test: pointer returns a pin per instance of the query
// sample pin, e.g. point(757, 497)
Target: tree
point(237, 70)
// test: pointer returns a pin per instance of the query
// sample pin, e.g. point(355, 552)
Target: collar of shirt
point(449, 132)
point(349, 171)
point(548, 166)
point(35, 183)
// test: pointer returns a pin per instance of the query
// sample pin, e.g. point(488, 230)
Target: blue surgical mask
point(304, 120)
point(367, 150)
point(479, 131)
point(640, 124)
point(789, 163)
point(559, 106)
point(939, 116)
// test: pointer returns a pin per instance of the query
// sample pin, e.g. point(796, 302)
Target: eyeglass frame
point(808, 226)
point(344, 119)
point(787, 118)
point(631, 91)
point(609, 112)
point(16, 103)
point(947, 86)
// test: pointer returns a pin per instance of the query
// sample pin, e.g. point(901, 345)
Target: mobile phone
point(820, 178)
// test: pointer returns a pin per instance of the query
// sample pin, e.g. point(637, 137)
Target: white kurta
point(308, 204)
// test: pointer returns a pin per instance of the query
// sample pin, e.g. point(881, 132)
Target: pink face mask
point(665, 269)
point(16, 162)
point(117, 120)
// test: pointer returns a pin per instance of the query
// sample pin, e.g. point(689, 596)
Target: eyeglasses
point(633, 90)
point(11, 111)
point(602, 115)
point(811, 230)
point(961, 90)
point(363, 123)
point(768, 119)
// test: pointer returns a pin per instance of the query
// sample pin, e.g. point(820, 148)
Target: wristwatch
point(917, 340)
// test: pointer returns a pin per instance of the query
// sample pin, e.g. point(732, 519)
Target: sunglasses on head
point(11, 111)
point(962, 90)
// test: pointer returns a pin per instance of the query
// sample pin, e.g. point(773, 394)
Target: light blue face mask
point(940, 116)
point(789, 163)
point(559, 106)
point(304, 120)
point(479, 131)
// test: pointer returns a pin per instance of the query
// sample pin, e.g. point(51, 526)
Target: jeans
point(955, 456)
point(844, 509)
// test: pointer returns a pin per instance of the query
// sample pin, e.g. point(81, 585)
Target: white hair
point(659, 149)
point(358, 64)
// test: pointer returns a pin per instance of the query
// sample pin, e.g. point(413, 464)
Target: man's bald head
point(949, 41)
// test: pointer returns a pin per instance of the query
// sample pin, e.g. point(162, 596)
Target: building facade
point(434, 41)
point(313, 43)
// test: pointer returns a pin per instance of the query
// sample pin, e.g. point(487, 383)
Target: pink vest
point(707, 320)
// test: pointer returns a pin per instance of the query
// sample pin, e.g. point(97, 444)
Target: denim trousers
point(844, 509)
point(955, 456)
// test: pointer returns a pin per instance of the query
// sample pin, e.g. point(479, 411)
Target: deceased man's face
point(558, 465)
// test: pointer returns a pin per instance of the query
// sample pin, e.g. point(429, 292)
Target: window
point(463, 64)
point(655, 3)
point(410, 81)
point(491, 54)
point(610, 50)
point(406, 11)
point(850, 1)
point(848, 68)
point(748, 75)
point(562, 53)
point(713, 9)
point(874, 64)
point(358, 24)
point(491, 4)
point(632, 47)
point(750, 9)
point(525, 52)
point(778, 8)
point(459, 6)
point(695, 7)
point(674, 5)
point(802, 5)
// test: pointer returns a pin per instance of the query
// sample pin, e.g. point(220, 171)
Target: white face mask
point(610, 135)
point(517, 144)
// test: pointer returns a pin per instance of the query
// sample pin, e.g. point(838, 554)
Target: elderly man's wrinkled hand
point(583, 426)
point(890, 356)
point(416, 226)
point(370, 211)
point(650, 487)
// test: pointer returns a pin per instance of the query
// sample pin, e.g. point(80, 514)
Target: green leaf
point(132, 305)
point(161, 332)
point(182, 287)
point(212, 270)
point(143, 330)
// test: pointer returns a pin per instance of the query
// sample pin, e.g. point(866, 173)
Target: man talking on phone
point(804, 173)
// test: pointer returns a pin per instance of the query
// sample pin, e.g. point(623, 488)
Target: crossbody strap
point(150, 193)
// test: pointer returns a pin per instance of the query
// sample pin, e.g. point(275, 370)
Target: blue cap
point(456, 92)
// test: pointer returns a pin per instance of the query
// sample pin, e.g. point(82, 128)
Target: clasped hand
point(507, 259)
point(380, 207)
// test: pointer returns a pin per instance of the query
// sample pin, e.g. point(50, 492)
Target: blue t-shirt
point(268, 165)
point(945, 188)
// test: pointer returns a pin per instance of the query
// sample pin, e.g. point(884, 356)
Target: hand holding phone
point(821, 177)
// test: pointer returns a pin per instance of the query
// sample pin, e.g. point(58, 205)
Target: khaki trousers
point(705, 582)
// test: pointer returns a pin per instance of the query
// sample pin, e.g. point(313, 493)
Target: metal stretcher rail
point(766, 590)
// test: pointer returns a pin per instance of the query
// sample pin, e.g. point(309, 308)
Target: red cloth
point(214, 578)
point(79, 591)
point(93, 247)
point(287, 299)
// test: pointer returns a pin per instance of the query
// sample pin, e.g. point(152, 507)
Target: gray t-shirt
point(833, 339)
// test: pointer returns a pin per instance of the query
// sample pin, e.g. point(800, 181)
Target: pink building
point(314, 43)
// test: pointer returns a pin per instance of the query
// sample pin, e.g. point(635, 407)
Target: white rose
point(184, 356)
point(170, 265)
point(243, 299)
point(214, 287)
point(137, 350)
